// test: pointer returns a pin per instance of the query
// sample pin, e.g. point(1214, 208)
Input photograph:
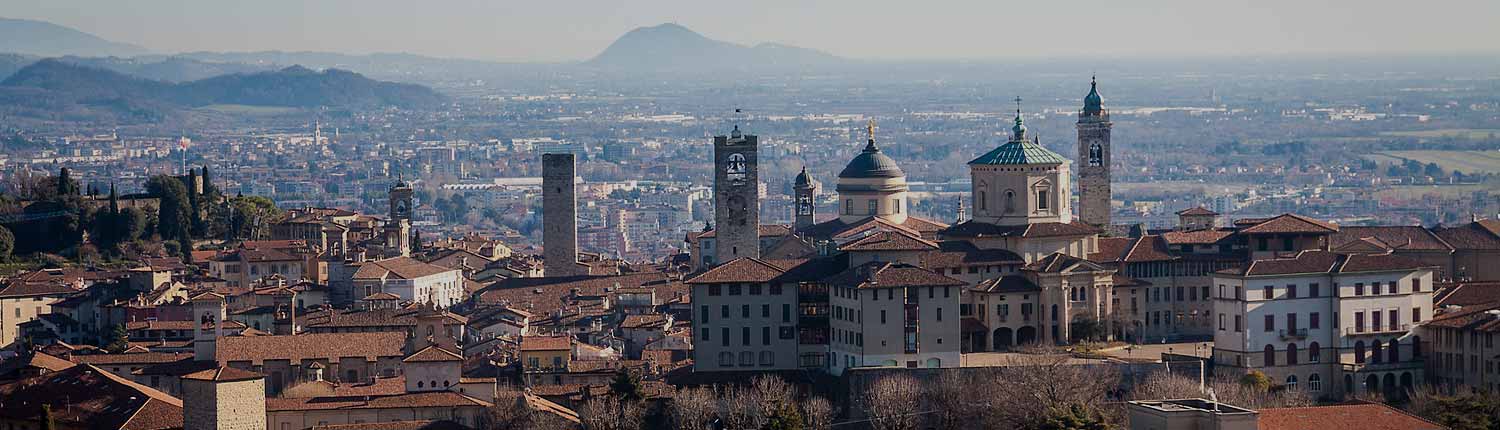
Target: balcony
point(1368, 366)
point(1386, 329)
point(1296, 333)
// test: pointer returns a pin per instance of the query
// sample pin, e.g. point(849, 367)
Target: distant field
point(248, 110)
point(1463, 161)
point(1179, 187)
point(1467, 133)
point(1413, 192)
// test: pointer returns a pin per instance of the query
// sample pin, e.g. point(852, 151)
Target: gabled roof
point(1196, 211)
point(431, 354)
point(1291, 223)
point(836, 228)
point(955, 253)
point(1307, 262)
point(1058, 262)
point(295, 348)
point(739, 270)
point(1389, 237)
point(95, 398)
point(877, 274)
point(1480, 235)
point(1008, 284)
point(976, 228)
point(1148, 248)
point(223, 374)
point(1467, 293)
point(889, 241)
point(1112, 249)
point(398, 268)
point(1196, 237)
point(546, 343)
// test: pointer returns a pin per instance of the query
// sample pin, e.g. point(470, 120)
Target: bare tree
point(1163, 385)
point(1033, 385)
point(892, 402)
point(740, 408)
point(817, 413)
point(512, 411)
point(955, 400)
point(694, 408)
point(610, 413)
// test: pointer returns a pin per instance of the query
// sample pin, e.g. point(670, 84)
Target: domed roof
point(1093, 103)
point(870, 163)
point(803, 179)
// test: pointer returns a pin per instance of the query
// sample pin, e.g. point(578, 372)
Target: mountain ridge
point(673, 47)
point(42, 38)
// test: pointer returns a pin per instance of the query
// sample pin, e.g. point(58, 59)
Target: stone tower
point(398, 221)
point(209, 310)
point(736, 196)
point(559, 215)
point(806, 194)
point(224, 398)
point(1093, 159)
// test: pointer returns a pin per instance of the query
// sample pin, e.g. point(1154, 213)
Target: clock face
point(401, 208)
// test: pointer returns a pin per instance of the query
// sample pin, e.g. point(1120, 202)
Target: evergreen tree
point(119, 340)
point(7, 243)
point(173, 221)
point(626, 385)
point(114, 200)
point(65, 185)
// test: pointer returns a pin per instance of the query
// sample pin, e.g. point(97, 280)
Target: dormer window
point(1041, 200)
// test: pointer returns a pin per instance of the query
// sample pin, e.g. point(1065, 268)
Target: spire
point(1018, 132)
point(1093, 104)
point(870, 132)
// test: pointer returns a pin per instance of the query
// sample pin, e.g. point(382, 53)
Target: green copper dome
point(1019, 152)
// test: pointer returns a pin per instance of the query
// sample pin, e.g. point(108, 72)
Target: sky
point(567, 30)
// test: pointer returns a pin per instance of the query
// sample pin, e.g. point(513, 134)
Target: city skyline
point(878, 31)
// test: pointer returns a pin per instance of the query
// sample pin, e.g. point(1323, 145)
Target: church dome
point(870, 163)
point(803, 179)
point(1093, 104)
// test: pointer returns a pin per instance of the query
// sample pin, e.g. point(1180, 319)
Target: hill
point(672, 47)
point(60, 90)
point(170, 69)
point(24, 36)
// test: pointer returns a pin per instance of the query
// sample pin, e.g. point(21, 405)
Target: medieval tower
point(398, 222)
point(736, 196)
point(806, 194)
point(559, 215)
point(1093, 159)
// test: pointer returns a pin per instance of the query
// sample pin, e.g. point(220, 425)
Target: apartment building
point(745, 317)
point(1325, 322)
point(893, 314)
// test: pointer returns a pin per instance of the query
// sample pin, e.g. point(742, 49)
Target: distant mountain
point(170, 69)
point(10, 63)
point(62, 90)
point(672, 47)
point(24, 36)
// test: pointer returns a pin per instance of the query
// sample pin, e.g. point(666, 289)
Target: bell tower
point(398, 222)
point(736, 196)
point(1093, 159)
point(806, 194)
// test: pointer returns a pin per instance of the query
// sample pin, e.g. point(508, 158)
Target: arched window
point(419, 384)
point(1291, 382)
point(1096, 155)
point(1270, 356)
point(981, 203)
point(1010, 201)
point(1291, 353)
point(1359, 351)
point(1314, 383)
point(1393, 351)
point(1314, 355)
point(1376, 352)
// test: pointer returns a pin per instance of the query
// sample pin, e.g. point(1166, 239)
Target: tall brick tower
point(806, 194)
point(398, 222)
point(1093, 159)
point(736, 197)
point(559, 216)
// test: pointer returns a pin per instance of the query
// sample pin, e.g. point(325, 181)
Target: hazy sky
point(554, 30)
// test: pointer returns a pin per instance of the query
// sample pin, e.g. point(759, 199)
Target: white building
point(411, 280)
point(1326, 322)
point(894, 315)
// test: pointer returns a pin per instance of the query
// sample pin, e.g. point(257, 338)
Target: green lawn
point(1463, 161)
point(1467, 133)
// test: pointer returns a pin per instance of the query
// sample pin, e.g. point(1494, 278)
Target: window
point(1041, 200)
point(1239, 325)
point(1314, 352)
point(1359, 351)
point(1359, 288)
point(1221, 322)
point(1239, 292)
point(1291, 382)
point(1270, 292)
point(1291, 324)
point(726, 359)
point(767, 358)
point(1394, 319)
point(1291, 291)
point(1270, 323)
point(849, 206)
point(1312, 321)
point(775, 289)
point(896, 205)
point(715, 289)
point(724, 311)
point(1270, 356)
point(1416, 315)
point(1314, 383)
point(745, 336)
point(1291, 353)
point(724, 336)
point(786, 312)
point(1375, 320)
point(1312, 290)
point(744, 311)
point(765, 311)
point(939, 314)
point(765, 335)
point(755, 289)
point(874, 207)
point(1359, 321)
point(1416, 285)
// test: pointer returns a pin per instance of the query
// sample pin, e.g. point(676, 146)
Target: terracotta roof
point(1467, 293)
point(975, 228)
point(1196, 211)
point(95, 398)
point(21, 288)
point(1196, 237)
point(808, 270)
point(1119, 280)
point(1472, 236)
point(1058, 262)
point(956, 253)
point(1111, 249)
point(739, 270)
point(542, 296)
point(431, 354)
point(1390, 237)
point(835, 228)
point(397, 425)
point(1325, 262)
point(765, 230)
point(1008, 284)
point(335, 318)
point(546, 343)
point(223, 374)
point(888, 241)
point(178, 325)
point(1148, 248)
point(1362, 416)
point(1290, 223)
point(877, 274)
point(644, 321)
point(310, 346)
point(432, 399)
point(138, 358)
point(398, 268)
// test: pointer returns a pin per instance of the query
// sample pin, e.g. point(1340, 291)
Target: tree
point(48, 421)
point(1074, 417)
point(7, 243)
point(1255, 379)
point(1085, 328)
point(66, 186)
point(119, 340)
point(1474, 411)
point(626, 385)
point(611, 413)
point(693, 408)
point(817, 413)
point(173, 221)
point(892, 402)
point(1163, 385)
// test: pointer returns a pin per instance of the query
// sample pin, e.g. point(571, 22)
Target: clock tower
point(736, 196)
point(806, 194)
point(398, 222)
